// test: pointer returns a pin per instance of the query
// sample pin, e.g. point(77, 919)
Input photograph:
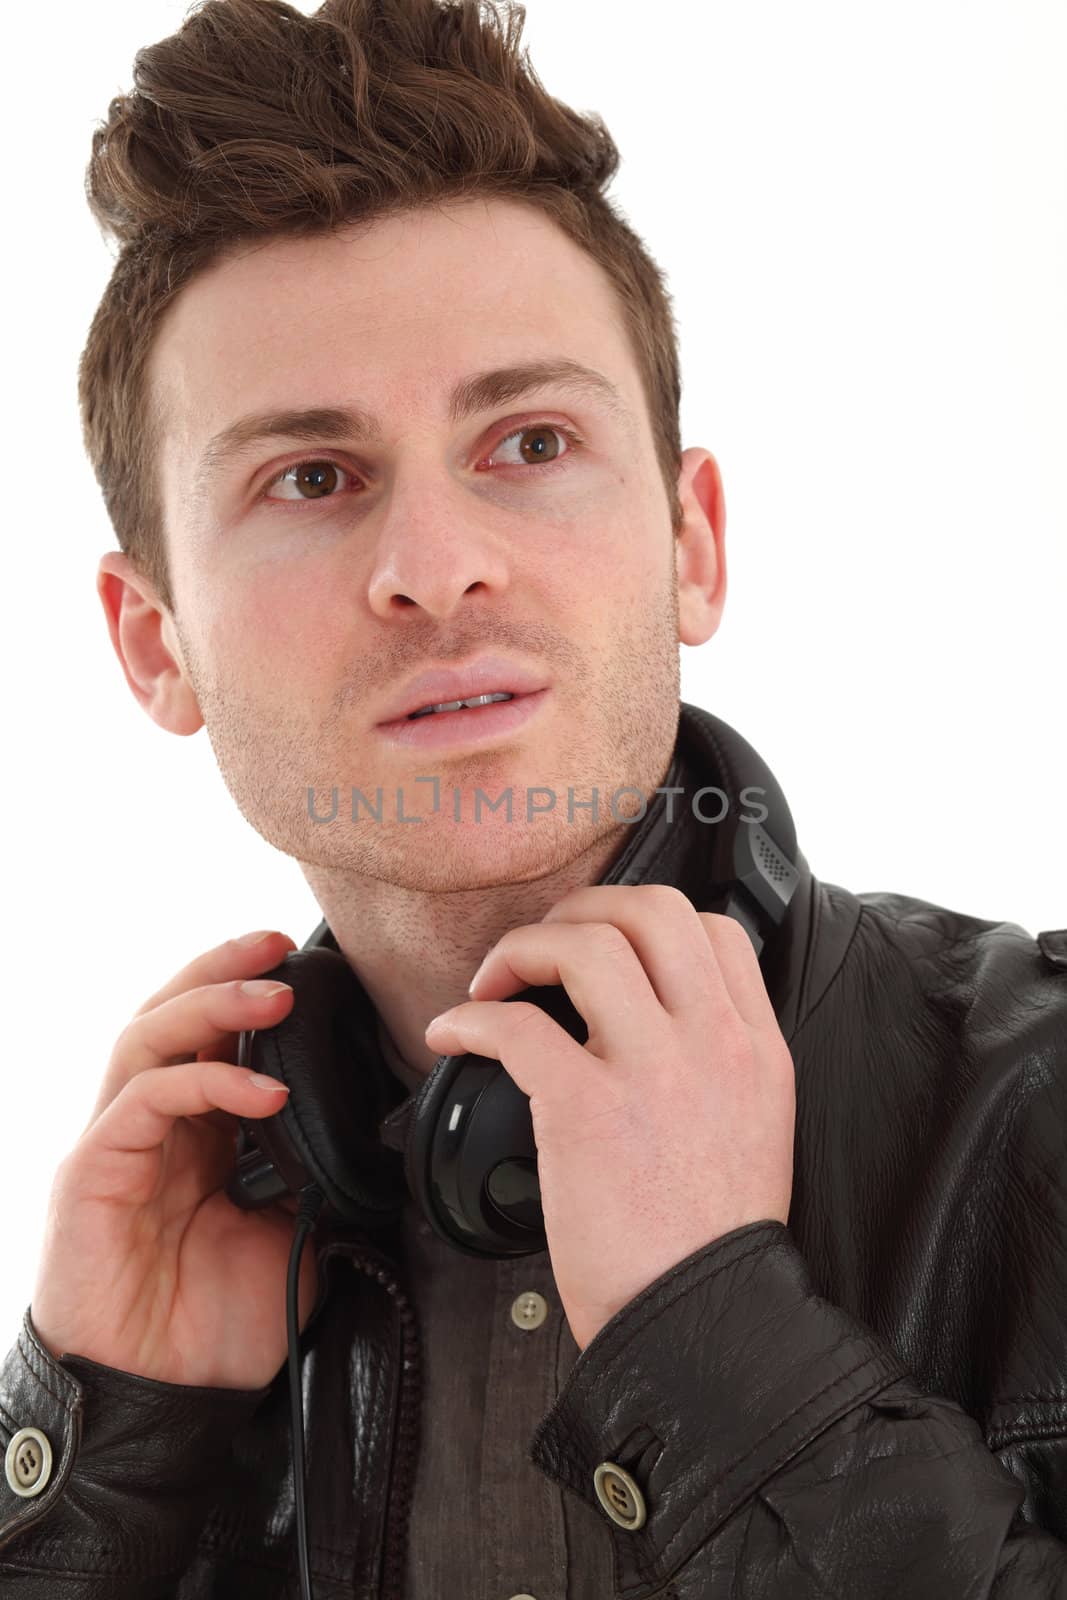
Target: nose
point(434, 549)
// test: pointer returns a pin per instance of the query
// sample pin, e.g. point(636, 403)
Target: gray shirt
point(486, 1524)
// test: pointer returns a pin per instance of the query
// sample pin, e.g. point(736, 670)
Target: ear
point(700, 547)
point(145, 640)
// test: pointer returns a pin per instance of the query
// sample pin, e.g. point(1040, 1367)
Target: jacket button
point(619, 1495)
point(28, 1462)
point(529, 1310)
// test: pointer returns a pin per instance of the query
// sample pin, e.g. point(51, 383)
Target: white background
point(862, 210)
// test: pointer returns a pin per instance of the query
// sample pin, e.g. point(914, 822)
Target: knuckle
point(663, 896)
point(781, 1063)
point(721, 1024)
point(727, 929)
point(150, 1004)
point(525, 1015)
point(609, 940)
point(69, 1175)
point(201, 999)
point(62, 1175)
point(145, 1084)
point(127, 1038)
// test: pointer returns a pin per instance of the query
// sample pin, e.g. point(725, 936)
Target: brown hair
point(254, 120)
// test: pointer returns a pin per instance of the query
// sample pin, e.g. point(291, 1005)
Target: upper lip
point(487, 675)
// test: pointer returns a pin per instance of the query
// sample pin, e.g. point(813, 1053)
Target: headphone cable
point(311, 1203)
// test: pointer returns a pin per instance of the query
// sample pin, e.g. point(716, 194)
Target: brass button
point(619, 1495)
point(28, 1462)
point(529, 1310)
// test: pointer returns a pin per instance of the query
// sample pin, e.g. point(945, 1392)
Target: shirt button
point(619, 1495)
point(28, 1462)
point(528, 1310)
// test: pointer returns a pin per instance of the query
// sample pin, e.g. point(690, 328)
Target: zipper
point(404, 1457)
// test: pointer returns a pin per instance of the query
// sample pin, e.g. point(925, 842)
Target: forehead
point(382, 316)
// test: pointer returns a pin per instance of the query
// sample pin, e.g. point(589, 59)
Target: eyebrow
point(481, 391)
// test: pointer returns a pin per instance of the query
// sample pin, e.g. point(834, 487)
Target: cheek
point(596, 522)
point(612, 551)
point(277, 624)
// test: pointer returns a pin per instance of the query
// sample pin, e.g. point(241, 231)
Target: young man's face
point(304, 607)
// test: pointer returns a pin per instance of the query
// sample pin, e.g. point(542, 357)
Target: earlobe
point(700, 547)
point(143, 637)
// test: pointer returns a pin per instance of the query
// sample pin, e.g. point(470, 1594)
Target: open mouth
point(476, 720)
point(448, 707)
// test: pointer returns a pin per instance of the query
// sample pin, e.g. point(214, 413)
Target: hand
point(147, 1266)
point(673, 1124)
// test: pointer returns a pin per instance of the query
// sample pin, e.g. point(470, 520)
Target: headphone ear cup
point(327, 1052)
point(469, 1147)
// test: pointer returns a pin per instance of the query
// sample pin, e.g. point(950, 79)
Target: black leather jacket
point(870, 1403)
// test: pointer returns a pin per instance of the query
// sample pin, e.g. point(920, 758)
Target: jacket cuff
point(134, 1462)
point(701, 1388)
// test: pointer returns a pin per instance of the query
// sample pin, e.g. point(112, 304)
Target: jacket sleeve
point(778, 1450)
point(122, 1471)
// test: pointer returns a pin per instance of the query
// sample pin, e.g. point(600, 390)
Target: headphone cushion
point(327, 1052)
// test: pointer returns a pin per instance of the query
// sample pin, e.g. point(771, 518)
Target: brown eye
point(539, 444)
point(313, 480)
point(534, 445)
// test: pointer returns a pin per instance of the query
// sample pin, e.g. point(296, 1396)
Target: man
point(799, 1327)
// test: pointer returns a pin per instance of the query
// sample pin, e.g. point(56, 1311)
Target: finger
point(664, 930)
point(539, 1055)
point(737, 961)
point(175, 1030)
point(595, 963)
point(190, 1021)
point(225, 1048)
point(231, 959)
point(121, 1155)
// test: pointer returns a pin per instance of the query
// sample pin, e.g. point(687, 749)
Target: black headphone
point(464, 1144)
point(465, 1148)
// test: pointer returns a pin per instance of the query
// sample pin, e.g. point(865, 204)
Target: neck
point(415, 951)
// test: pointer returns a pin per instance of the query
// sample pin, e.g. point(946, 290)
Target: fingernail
point(263, 1082)
point(263, 986)
point(254, 938)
